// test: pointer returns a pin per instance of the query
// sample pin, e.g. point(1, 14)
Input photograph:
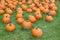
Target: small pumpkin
point(29, 2)
point(1, 11)
point(6, 20)
point(45, 10)
point(29, 10)
point(9, 11)
point(10, 27)
point(51, 5)
point(31, 18)
point(2, 6)
point(26, 25)
point(49, 18)
point(37, 32)
point(23, 1)
point(52, 12)
point(38, 15)
point(6, 15)
point(34, 9)
point(24, 7)
point(54, 8)
point(18, 15)
point(20, 20)
point(32, 5)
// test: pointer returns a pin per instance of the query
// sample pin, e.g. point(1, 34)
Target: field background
point(51, 31)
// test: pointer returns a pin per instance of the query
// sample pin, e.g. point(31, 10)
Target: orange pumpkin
point(9, 11)
point(20, 3)
point(49, 18)
point(52, 13)
point(45, 10)
point(29, 10)
point(6, 20)
point(2, 6)
point(20, 20)
point(32, 5)
point(10, 27)
point(18, 15)
point(31, 18)
point(19, 10)
point(26, 25)
point(24, 7)
point(37, 32)
point(23, 1)
point(54, 8)
point(38, 15)
point(15, 3)
point(41, 8)
point(29, 2)
point(51, 5)
point(34, 9)
point(1, 11)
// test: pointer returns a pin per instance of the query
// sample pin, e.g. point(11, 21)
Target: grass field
point(51, 31)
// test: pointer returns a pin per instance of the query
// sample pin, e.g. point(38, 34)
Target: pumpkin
point(52, 1)
point(38, 15)
point(9, 11)
point(54, 8)
point(45, 10)
point(47, 1)
point(26, 25)
point(20, 20)
point(20, 3)
point(34, 9)
point(29, 10)
point(32, 5)
point(15, 3)
point(13, 7)
point(10, 27)
point(18, 15)
point(29, 2)
point(52, 13)
point(41, 8)
point(2, 6)
point(1, 11)
point(6, 15)
point(51, 5)
point(31, 18)
point(37, 32)
point(23, 1)
point(49, 18)
point(6, 20)
point(19, 10)
point(24, 7)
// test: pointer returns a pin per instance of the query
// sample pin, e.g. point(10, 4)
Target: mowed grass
point(51, 31)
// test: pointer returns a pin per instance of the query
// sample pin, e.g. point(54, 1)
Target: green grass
point(51, 31)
